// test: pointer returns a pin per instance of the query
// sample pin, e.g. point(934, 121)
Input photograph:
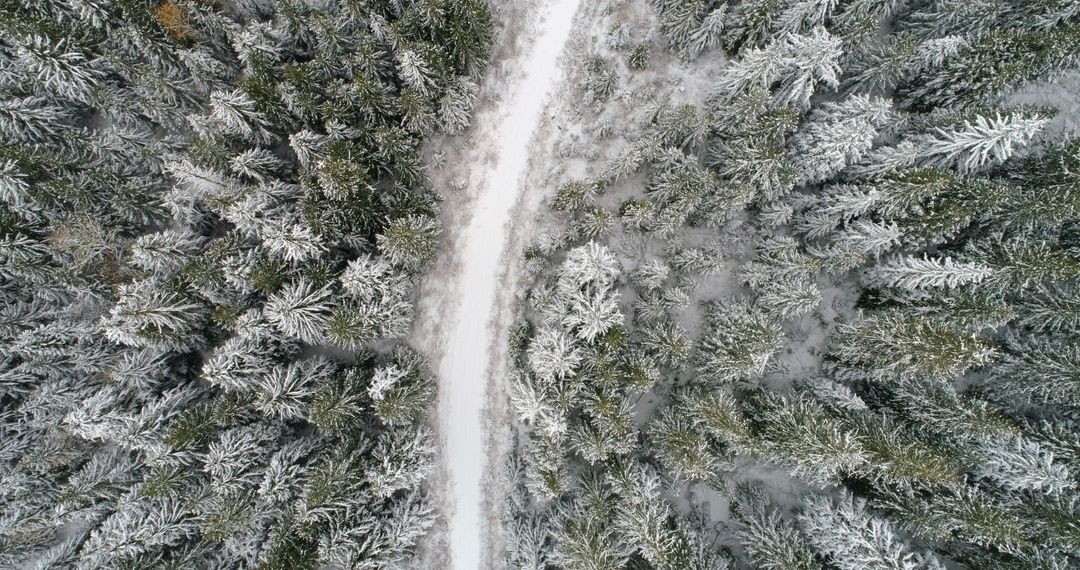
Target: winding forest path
point(467, 337)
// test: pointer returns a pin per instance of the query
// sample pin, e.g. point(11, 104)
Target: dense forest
point(822, 315)
point(807, 294)
point(212, 218)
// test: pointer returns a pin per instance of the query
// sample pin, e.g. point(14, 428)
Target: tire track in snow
point(463, 367)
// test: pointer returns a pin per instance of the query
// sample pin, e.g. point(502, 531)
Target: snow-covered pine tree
point(852, 538)
point(992, 65)
point(1041, 370)
point(799, 433)
point(709, 33)
point(1046, 183)
point(749, 24)
point(738, 345)
point(812, 58)
point(1020, 464)
point(834, 136)
point(913, 274)
point(882, 67)
point(893, 346)
point(981, 141)
point(770, 541)
point(801, 15)
point(410, 242)
point(681, 448)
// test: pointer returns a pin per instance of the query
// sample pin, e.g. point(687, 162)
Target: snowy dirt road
point(467, 337)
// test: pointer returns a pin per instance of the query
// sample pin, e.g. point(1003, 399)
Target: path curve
point(463, 365)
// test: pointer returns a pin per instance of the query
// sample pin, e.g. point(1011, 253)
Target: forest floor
point(480, 176)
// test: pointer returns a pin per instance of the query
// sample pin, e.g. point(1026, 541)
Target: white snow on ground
point(463, 365)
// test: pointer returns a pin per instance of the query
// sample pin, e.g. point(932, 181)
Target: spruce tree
point(889, 345)
point(992, 65)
